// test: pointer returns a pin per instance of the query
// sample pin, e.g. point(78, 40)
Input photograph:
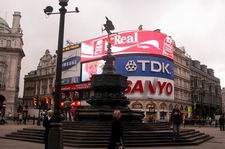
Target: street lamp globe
point(63, 2)
point(48, 10)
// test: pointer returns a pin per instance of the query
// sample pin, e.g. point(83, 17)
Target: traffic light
point(78, 103)
point(75, 103)
point(62, 104)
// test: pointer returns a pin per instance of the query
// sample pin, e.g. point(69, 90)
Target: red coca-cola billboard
point(128, 42)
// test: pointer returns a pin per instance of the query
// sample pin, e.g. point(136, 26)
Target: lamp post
point(55, 138)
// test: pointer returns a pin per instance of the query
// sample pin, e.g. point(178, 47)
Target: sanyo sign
point(150, 88)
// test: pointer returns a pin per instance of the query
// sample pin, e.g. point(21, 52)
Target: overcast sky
point(198, 25)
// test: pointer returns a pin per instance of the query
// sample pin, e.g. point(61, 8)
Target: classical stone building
point(38, 84)
point(11, 54)
point(182, 86)
point(223, 99)
point(206, 90)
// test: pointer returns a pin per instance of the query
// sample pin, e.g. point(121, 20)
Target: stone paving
point(218, 142)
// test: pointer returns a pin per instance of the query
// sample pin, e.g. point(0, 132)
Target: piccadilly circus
point(145, 57)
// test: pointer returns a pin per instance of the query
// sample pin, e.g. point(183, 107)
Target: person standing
point(47, 124)
point(20, 117)
point(67, 107)
point(176, 118)
point(221, 122)
point(117, 131)
point(73, 112)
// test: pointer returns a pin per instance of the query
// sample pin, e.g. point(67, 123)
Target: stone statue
point(108, 26)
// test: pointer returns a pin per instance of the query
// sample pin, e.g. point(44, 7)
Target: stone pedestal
point(108, 96)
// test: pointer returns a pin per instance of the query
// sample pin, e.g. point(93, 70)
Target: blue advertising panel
point(144, 65)
point(71, 64)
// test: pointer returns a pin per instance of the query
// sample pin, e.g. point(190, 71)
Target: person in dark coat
point(117, 131)
point(221, 122)
point(176, 118)
point(47, 124)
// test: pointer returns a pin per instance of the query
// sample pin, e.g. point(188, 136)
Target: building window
point(163, 112)
point(2, 71)
point(8, 43)
point(170, 107)
point(1, 81)
point(137, 105)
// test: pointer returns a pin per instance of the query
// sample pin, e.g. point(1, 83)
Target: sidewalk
point(218, 142)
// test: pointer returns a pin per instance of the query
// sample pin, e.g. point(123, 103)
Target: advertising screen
point(91, 68)
point(148, 76)
point(71, 64)
point(144, 65)
point(130, 42)
point(135, 65)
point(150, 88)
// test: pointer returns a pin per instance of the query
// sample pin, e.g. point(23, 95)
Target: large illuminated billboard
point(148, 76)
point(150, 88)
point(130, 42)
point(145, 57)
point(144, 65)
point(71, 64)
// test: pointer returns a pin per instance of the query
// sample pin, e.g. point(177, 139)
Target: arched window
point(162, 106)
point(170, 107)
point(151, 107)
point(8, 43)
point(137, 105)
point(1, 83)
point(2, 72)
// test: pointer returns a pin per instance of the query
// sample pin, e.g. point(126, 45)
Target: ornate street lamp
point(55, 138)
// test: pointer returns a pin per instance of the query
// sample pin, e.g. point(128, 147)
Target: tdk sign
point(155, 66)
point(145, 66)
point(131, 65)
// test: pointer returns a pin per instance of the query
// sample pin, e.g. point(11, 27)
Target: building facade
point(223, 99)
point(39, 84)
point(205, 90)
point(11, 54)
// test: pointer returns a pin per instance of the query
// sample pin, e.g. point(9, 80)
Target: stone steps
point(84, 136)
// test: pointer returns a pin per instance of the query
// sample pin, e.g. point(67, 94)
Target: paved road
point(218, 142)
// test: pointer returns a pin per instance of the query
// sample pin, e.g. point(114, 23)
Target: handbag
point(120, 145)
